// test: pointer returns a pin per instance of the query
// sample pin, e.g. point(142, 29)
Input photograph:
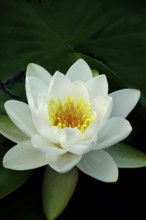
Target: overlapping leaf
point(53, 33)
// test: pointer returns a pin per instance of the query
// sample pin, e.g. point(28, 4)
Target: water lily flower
point(69, 121)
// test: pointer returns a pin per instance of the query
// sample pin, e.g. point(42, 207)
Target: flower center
point(70, 113)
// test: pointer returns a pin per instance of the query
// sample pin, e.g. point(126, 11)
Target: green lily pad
point(56, 33)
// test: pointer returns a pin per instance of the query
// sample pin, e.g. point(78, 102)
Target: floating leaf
point(22, 206)
point(49, 33)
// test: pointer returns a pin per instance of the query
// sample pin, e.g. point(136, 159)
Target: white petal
point(39, 72)
point(83, 146)
point(67, 136)
point(80, 148)
point(45, 146)
point(90, 132)
point(64, 163)
point(34, 86)
point(61, 137)
point(99, 165)
point(124, 101)
point(43, 100)
point(58, 86)
point(78, 90)
point(10, 131)
point(102, 106)
point(44, 130)
point(114, 131)
point(24, 156)
point(20, 114)
point(79, 71)
point(97, 86)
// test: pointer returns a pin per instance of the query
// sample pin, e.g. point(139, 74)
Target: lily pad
point(56, 33)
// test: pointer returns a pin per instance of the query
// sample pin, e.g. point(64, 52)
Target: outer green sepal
point(57, 191)
point(126, 156)
point(95, 72)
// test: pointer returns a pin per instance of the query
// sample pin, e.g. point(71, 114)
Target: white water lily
point(69, 121)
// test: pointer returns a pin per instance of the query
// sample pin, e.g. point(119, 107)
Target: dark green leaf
point(22, 206)
point(49, 33)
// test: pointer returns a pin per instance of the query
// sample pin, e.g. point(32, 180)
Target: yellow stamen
point(70, 114)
